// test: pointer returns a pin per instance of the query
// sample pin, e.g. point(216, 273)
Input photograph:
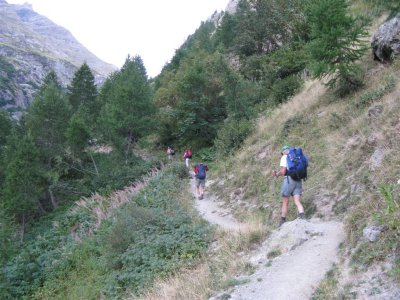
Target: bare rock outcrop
point(386, 40)
point(30, 47)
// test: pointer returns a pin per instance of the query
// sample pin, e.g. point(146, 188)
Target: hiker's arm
point(281, 172)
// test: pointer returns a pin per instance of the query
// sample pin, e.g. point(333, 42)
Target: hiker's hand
point(274, 173)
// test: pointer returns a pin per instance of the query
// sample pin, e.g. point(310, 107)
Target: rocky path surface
point(213, 211)
point(306, 251)
point(289, 264)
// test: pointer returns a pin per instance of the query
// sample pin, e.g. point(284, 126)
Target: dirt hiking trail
point(213, 211)
point(289, 264)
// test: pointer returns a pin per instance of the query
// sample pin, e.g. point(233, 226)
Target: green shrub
point(179, 169)
point(349, 84)
point(152, 236)
point(231, 135)
point(285, 88)
point(274, 253)
point(205, 155)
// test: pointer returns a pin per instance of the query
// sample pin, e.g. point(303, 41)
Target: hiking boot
point(283, 220)
point(301, 216)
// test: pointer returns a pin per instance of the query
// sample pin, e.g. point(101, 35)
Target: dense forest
point(75, 146)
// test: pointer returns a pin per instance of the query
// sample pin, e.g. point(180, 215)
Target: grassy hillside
point(352, 145)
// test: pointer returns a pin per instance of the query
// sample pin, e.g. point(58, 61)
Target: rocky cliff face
point(30, 46)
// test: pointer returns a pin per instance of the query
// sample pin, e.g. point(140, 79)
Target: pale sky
point(112, 29)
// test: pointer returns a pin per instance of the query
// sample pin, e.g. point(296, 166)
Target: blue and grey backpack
point(201, 173)
point(297, 164)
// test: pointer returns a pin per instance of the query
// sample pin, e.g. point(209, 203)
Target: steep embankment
point(353, 145)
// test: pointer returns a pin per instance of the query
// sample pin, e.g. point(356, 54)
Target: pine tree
point(47, 120)
point(198, 98)
point(5, 130)
point(5, 127)
point(336, 42)
point(7, 236)
point(127, 113)
point(83, 91)
point(24, 182)
point(48, 117)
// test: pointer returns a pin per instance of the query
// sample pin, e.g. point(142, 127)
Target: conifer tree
point(7, 235)
point(83, 91)
point(48, 117)
point(336, 41)
point(5, 127)
point(47, 121)
point(5, 130)
point(83, 97)
point(127, 113)
point(24, 182)
point(78, 133)
point(198, 99)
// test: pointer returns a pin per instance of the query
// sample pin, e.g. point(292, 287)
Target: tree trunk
point(53, 200)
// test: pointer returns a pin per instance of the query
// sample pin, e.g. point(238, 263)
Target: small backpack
point(201, 171)
point(297, 164)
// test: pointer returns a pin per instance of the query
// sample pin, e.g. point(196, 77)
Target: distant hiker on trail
point(187, 156)
point(170, 152)
point(293, 168)
point(200, 174)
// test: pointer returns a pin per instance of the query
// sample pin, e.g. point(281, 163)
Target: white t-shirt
point(283, 162)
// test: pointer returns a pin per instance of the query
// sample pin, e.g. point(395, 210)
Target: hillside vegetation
point(91, 208)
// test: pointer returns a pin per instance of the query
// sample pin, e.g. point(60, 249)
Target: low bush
point(151, 236)
point(231, 136)
point(285, 88)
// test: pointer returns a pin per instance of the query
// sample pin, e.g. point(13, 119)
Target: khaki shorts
point(291, 187)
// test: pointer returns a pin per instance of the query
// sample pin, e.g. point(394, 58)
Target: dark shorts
point(291, 187)
point(200, 182)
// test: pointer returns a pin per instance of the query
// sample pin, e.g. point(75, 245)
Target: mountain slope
point(30, 46)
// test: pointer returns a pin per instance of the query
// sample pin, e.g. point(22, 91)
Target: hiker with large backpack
point(293, 168)
point(200, 174)
point(187, 156)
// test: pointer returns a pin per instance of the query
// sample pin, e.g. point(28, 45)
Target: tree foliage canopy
point(127, 104)
point(336, 40)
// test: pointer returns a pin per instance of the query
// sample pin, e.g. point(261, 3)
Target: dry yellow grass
point(100, 207)
point(224, 262)
point(188, 284)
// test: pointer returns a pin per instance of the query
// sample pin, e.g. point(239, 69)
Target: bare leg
point(297, 199)
point(285, 205)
